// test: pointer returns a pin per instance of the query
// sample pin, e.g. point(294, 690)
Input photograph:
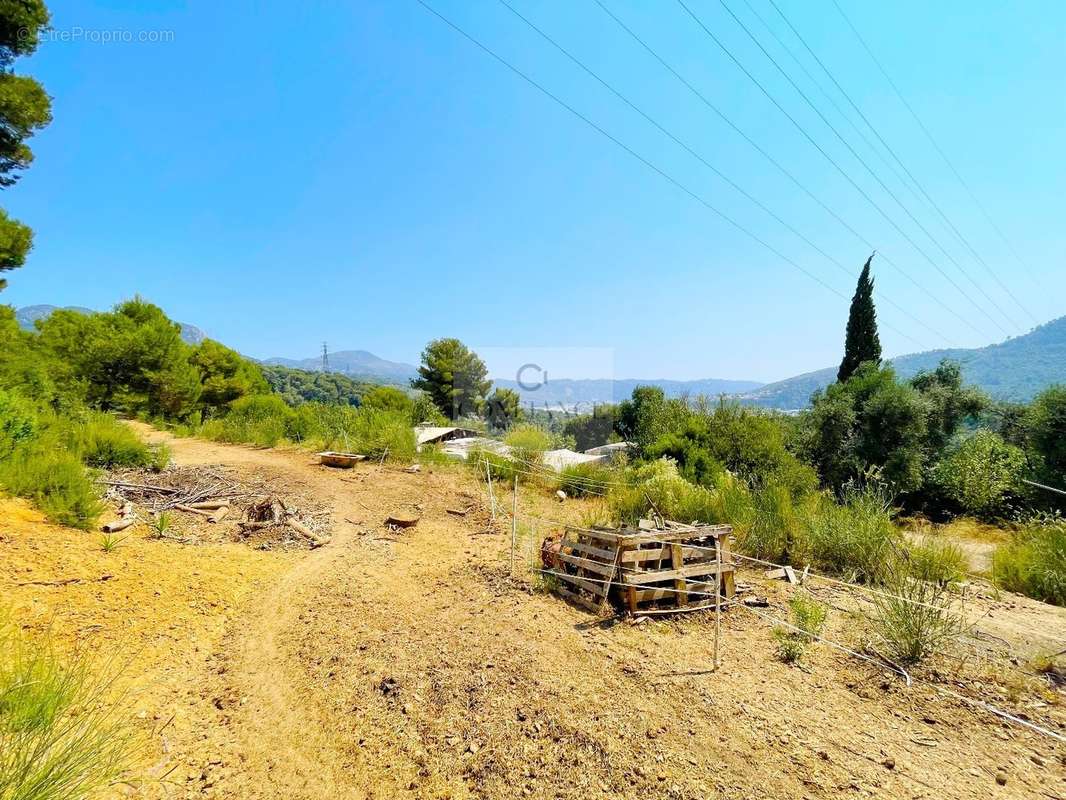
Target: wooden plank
point(791, 575)
point(634, 539)
point(678, 563)
point(591, 550)
point(609, 537)
point(671, 574)
point(592, 566)
point(728, 579)
point(589, 586)
point(581, 600)
point(654, 553)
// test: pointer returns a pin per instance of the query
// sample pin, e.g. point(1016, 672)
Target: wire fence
point(515, 516)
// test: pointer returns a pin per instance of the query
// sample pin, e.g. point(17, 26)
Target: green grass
point(57, 482)
point(913, 618)
point(808, 615)
point(162, 523)
point(852, 538)
point(587, 480)
point(109, 542)
point(102, 441)
point(936, 559)
point(267, 421)
point(1034, 562)
point(60, 736)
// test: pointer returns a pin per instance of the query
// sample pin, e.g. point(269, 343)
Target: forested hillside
point(1015, 370)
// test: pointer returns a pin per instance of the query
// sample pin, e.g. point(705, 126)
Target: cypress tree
point(862, 343)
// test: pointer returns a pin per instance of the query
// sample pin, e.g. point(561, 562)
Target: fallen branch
point(65, 581)
point(118, 524)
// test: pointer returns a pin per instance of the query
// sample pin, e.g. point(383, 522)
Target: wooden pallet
point(646, 567)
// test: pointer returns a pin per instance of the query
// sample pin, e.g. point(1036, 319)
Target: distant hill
point(569, 392)
point(28, 315)
point(356, 364)
point(1014, 370)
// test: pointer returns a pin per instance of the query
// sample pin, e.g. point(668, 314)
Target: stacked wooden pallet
point(669, 566)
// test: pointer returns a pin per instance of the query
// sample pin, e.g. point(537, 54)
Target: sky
point(361, 174)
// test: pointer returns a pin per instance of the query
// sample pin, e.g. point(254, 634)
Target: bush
point(587, 480)
point(528, 443)
point(1034, 563)
point(808, 615)
point(262, 420)
point(913, 617)
point(60, 738)
point(382, 433)
point(980, 472)
point(852, 538)
point(103, 441)
point(658, 486)
point(931, 558)
point(18, 422)
point(56, 481)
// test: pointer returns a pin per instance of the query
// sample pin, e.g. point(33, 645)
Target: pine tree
point(862, 343)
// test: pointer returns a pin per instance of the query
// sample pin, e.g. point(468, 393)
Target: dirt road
point(408, 665)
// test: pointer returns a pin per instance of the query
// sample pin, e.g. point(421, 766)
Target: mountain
point(1014, 370)
point(568, 392)
point(28, 315)
point(354, 363)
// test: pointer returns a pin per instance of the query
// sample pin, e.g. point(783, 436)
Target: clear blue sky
point(281, 174)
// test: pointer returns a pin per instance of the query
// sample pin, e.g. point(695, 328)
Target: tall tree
point(454, 377)
point(25, 108)
point(862, 343)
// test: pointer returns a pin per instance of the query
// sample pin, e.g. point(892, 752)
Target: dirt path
point(409, 665)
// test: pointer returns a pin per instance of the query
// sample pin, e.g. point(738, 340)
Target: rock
point(407, 708)
point(560, 495)
point(1038, 760)
point(889, 763)
point(472, 748)
point(522, 717)
point(1001, 778)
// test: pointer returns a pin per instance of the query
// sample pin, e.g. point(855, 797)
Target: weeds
point(103, 441)
point(854, 537)
point(60, 737)
point(932, 558)
point(1034, 562)
point(913, 617)
point(587, 480)
point(808, 620)
point(109, 542)
point(57, 482)
point(161, 524)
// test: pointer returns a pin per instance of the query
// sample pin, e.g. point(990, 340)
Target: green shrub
point(60, 737)
point(980, 472)
point(587, 480)
point(808, 616)
point(913, 617)
point(376, 433)
point(659, 487)
point(18, 422)
point(935, 559)
point(501, 468)
point(102, 441)
point(528, 444)
point(56, 481)
point(262, 420)
point(1034, 562)
point(852, 538)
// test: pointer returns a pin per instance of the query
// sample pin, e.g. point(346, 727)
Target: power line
point(849, 272)
point(666, 176)
point(937, 147)
point(780, 167)
point(831, 160)
point(958, 234)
